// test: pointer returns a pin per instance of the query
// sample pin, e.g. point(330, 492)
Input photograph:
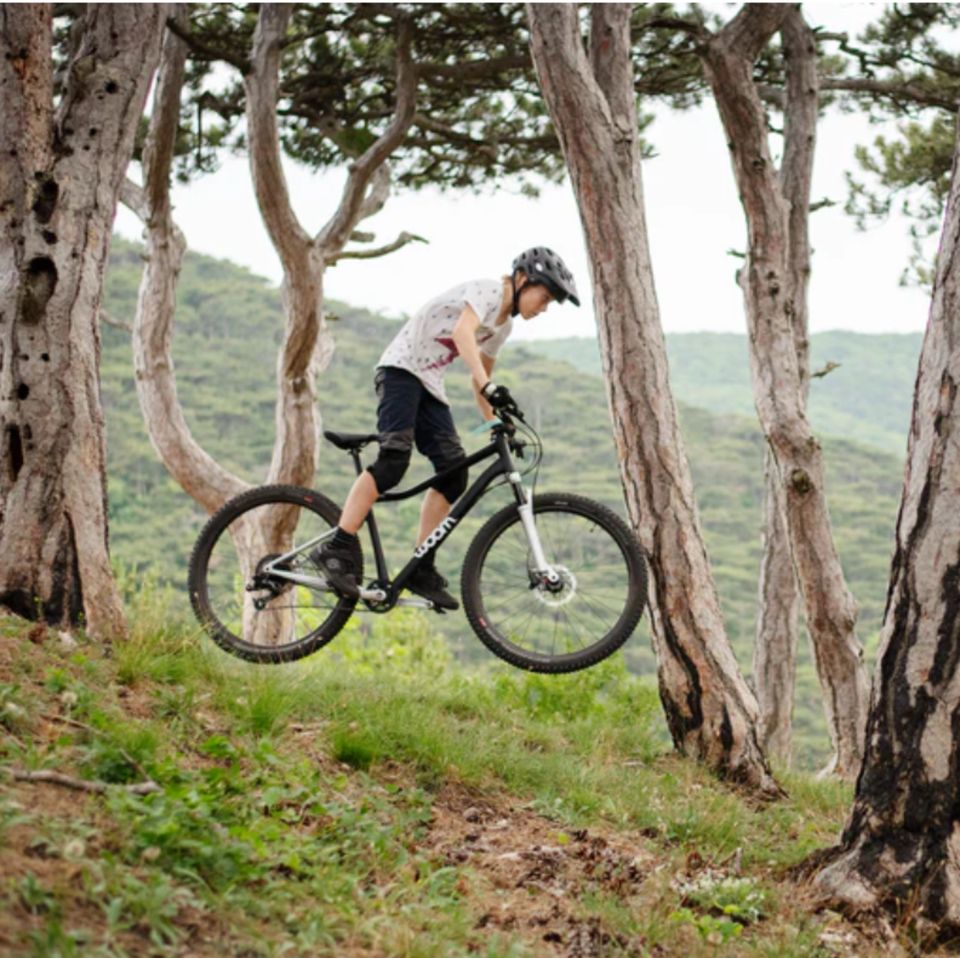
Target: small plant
point(740, 899)
point(13, 715)
point(712, 929)
point(36, 899)
point(148, 904)
point(355, 748)
point(119, 752)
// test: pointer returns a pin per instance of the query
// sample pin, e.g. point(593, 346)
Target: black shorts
point(409, 415)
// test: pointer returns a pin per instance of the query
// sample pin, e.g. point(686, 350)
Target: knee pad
point(389, 467)
point(451, 487)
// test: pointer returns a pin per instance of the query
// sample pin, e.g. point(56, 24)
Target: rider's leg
point(363, 494)
point(398, 393)
point(433, 511)
point(436, 437)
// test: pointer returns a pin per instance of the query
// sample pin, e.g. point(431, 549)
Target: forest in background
point(229, 322)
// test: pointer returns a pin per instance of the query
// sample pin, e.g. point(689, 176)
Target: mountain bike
point(553, 582)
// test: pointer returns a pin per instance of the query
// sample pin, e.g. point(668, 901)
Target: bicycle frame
point(384, 594)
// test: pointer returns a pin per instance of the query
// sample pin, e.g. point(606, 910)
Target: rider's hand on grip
point(500, 399)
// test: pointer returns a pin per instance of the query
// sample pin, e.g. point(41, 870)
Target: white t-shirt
point(425, 347)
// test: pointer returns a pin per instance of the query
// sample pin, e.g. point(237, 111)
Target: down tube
point(462, 507)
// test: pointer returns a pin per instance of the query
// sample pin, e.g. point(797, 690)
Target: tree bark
point(201, 476)
point(711, 712)
point(900, 845)
point(775, 650)
point(60, 178)
point(768, 283)
point(775, 647)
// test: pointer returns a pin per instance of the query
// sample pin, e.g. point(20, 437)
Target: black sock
point(428, 561)
point(342, 540)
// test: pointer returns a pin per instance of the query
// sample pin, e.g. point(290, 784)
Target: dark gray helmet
point(543, 266)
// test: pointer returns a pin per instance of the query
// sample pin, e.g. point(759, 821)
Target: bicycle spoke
point(589, 601)
point(582, 612)
point(281, 608)
point(278, 532)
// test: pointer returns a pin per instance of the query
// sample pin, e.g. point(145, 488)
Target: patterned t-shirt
point(425, 347)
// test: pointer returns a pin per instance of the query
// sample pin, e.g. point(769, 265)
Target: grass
point(299, 805)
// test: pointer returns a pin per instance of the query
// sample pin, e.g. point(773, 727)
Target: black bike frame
point(504, 466)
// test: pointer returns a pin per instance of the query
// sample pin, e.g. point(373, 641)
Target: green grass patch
point(296, 801)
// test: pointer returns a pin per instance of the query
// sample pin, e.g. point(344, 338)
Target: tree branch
point(611, 62)
point(829, 368)
point(105, 317)
point(697, 30)
point(378, 195)
point(205, 50)
point(772, 95)
point(453, 135)
point(352, 205)
point(891, 90)
point(134, 199)
point(161, 138)
point(79, 784)
point(476, 69)
point(198, 473)
point(751, 29)
point(402, 240)
point(270, 184)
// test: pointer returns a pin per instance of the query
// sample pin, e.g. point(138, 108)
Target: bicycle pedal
point(439, 611)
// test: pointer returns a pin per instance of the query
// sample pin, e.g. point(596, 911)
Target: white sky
point(693, 214)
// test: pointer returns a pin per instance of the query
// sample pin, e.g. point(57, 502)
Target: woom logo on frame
point(435, 537)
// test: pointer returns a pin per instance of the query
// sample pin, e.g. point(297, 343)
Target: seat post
point(355, 455)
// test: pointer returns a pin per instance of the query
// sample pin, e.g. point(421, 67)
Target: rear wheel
point(567, 625)
point(238, 585)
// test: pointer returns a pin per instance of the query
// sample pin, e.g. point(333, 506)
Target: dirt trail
point(531, 873)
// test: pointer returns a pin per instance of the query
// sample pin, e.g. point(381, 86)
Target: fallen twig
point(74, 723)
point(80, 784)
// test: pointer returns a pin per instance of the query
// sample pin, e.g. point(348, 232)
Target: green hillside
point(229, 325)
point(378, 801)
point(866, 399)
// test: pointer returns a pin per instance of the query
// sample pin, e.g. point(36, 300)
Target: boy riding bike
point(472, 320)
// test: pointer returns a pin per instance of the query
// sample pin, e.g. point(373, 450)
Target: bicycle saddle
point(350, 440)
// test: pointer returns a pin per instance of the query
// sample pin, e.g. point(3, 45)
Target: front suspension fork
point(525, 507)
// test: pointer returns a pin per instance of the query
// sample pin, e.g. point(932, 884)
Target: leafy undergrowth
point(372, 800)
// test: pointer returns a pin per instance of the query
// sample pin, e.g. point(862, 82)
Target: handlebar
point(503, 423)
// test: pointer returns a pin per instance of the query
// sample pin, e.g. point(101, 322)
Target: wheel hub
point(263, 581)
point(559, 592)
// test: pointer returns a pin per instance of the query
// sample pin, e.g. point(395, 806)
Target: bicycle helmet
point(542, 266)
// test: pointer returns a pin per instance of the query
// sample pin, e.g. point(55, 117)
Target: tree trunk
point(307, 346)
point(201, 476)
point(768, 284)
point(901, 844)
point(711, 712)
point(295, 444)
point(60, 184)
point(775, 650)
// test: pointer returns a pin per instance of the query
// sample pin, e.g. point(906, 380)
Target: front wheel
point(567, 625)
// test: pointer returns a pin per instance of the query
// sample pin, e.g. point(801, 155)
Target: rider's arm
point(465, 337)
point(486, 410)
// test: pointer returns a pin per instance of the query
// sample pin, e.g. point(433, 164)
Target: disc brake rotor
point(560, 593)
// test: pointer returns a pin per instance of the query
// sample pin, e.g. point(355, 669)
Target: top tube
point(486, 452)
